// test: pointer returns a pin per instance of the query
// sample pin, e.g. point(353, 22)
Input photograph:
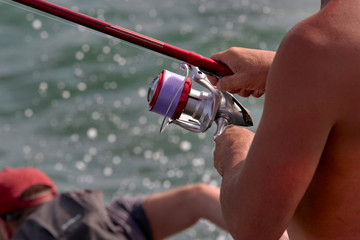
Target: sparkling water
point(73, 101)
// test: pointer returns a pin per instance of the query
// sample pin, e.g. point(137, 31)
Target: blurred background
point(73, 101)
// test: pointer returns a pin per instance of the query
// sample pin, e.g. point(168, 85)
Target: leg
point(173, 211)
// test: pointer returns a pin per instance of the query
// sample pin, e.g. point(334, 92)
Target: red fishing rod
point(205, 64)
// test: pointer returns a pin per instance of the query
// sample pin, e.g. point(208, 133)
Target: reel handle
point(221, 123)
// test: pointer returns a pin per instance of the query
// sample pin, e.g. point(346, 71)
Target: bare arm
point(260, 195)
point(174, 211)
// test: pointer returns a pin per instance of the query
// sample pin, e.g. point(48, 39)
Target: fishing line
point(86, 29)
point(32, 10)
point(176, 97)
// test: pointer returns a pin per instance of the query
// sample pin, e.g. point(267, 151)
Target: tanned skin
point(300, 171)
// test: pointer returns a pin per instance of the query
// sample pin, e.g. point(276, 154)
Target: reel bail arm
point(172, 96)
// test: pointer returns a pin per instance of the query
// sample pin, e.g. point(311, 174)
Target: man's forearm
point(247, 216)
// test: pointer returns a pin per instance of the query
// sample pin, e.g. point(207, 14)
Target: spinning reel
point(172, 96)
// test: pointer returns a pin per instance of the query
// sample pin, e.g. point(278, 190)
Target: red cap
point(14, 181)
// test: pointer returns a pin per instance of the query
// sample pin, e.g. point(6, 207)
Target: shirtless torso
point(302, 170)
point(330, 208)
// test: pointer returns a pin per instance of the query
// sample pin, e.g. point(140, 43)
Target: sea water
point(73, 101)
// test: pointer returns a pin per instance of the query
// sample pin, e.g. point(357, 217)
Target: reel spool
point(172, 96)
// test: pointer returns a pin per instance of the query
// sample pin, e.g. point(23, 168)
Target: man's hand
point(231, 149)
point(250, 68)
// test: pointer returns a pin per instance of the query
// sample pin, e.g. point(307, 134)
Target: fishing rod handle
point(208, 65)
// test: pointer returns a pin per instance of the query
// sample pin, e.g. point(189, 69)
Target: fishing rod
point(170, 94)
point(205, 64)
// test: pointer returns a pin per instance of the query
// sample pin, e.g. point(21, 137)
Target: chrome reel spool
point(172, 96)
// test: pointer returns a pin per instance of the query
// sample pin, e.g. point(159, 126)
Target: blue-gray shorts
point(127, 213)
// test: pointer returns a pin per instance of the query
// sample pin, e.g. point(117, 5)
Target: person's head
point(22, 191)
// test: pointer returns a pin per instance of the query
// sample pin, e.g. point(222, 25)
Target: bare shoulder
point(323, 49)
point(308, 42)
point(304, 65)
point(329, 37)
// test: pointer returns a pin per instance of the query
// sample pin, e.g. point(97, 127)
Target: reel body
point(172, 96)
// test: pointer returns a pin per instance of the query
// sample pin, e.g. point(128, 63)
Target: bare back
point(330, 208)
